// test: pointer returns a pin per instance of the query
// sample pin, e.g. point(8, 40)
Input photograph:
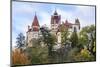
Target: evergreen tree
point(20, 40)
point(74, 38)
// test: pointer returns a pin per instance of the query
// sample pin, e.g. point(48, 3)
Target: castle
point(34, 30)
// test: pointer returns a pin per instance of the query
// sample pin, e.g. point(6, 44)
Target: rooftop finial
point(55, 9)
point(35, 13)
point(55, 13)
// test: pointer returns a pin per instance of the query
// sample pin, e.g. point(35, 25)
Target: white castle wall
point(31, 35)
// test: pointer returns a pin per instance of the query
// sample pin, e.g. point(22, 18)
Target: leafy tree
point(35, 42)
point(48, 39)
point(20, 40)
point(92, 32)
point(83, 36)
point(37, 55)
point(72, 54)
point(74, 38)
point(84, 55)
point(88, 38)
point(64, 33)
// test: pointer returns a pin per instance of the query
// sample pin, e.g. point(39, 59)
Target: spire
point(66, 21)
point(35, 13)
point(55, 13)
point(77, 21)
point(35, 21)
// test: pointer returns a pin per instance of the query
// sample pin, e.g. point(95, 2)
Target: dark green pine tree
point(20, 40)
point(74, 38)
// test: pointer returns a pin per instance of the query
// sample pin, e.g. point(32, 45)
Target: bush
point(38, 55)
point(84, 55)
point(19, 58)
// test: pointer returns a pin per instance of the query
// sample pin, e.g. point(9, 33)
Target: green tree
point(74, 38)
point(48, 39)
point(88, 38)
point(71, 57)
point(84, 55)
point(64, 34)
point(83, 36)
point(37, 55)
point(35, 42)
point(92, 46)
point(20, 40)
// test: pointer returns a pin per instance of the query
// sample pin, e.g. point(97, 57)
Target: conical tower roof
point(35, 21)
point(55, 13)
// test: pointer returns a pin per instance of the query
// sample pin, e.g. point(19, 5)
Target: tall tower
point(33, 31)
point(55, 21)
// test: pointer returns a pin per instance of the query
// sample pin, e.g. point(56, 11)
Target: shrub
point(19, 58)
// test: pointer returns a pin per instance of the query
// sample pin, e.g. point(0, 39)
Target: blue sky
point(23, 15)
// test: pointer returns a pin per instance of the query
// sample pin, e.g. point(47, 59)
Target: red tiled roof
point(35, 21)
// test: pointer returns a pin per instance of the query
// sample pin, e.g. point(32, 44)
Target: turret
point(55, 21)
point(77, 23)
point(35, 24)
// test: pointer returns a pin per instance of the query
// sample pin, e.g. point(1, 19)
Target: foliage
point(88, 37)
point(37, 55)
point(35, 42)
point(74, 38)
point(84, 55)
point(19, 58)
point(20, 40)
point(75, 56)
point(71, 54)
point(48, 39)
point(44, 54)
point(64, 34)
